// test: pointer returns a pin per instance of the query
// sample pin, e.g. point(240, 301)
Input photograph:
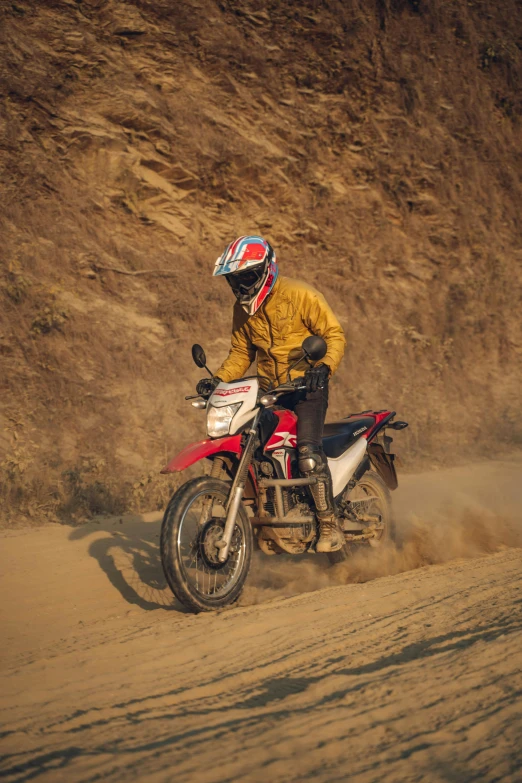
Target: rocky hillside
point(375, 143)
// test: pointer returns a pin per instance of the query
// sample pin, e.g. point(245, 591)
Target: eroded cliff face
point(377, 146)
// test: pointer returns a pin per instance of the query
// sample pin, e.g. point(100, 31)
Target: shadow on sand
point(127, 550)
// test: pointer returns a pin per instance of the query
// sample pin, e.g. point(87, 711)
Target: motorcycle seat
point(340, 435)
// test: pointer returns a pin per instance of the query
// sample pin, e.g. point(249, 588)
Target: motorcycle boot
point(313, 463)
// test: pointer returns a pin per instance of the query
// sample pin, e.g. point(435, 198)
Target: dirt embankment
point(376, 144)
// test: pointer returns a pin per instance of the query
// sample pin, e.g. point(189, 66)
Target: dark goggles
point(243, 282)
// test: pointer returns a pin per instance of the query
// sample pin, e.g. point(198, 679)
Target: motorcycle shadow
point(127, 550)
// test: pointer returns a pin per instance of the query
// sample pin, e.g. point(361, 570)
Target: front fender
point(202, 449)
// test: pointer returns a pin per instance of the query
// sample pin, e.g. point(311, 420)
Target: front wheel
point(373, 497)
point(193, 524)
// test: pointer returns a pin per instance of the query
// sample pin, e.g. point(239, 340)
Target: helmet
point(250, 267)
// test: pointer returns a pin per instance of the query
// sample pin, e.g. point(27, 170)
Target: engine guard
point(201, 450)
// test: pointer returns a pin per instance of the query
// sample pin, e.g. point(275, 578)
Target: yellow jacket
point(292, 312)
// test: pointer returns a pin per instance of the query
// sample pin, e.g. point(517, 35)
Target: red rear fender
point(204, 448)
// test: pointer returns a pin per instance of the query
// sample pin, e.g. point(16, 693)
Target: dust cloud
point(458, 513)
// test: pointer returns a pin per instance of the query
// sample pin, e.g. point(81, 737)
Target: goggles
point(243, 282)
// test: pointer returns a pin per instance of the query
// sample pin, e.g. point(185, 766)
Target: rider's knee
point(311, 458)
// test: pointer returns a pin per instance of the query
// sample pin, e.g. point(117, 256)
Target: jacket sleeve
point(319, 318)
point(242, 352)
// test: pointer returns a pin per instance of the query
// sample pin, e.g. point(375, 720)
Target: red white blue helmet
point(249, 265)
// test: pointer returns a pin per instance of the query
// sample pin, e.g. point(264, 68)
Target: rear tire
point(188, 554)
point(370, 484)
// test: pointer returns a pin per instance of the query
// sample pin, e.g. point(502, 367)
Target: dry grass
point(377, 145)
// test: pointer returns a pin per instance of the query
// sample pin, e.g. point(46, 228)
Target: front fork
point(236, 493)
point(206, 506)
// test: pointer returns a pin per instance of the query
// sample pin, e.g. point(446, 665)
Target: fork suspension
point(236, 493)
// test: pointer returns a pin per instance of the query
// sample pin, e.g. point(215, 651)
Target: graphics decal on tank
point(279, 439)
point(282, 461)
point(285, 434)
point(280, 456)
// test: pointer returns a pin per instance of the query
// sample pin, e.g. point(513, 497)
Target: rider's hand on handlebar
point(317, 377)
point(298, 383)
point(206, 386)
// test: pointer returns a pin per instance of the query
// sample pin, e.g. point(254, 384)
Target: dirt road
point(411, 676)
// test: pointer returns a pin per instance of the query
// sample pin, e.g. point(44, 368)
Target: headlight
point(220, 419)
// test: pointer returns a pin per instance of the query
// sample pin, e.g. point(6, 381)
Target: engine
point(293, 537)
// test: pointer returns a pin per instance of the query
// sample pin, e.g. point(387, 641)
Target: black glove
point(317, 377)
point(206, 386)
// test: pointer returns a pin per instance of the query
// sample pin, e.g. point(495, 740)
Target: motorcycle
point(254, 493)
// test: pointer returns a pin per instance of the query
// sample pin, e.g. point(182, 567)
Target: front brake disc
point(210, 534)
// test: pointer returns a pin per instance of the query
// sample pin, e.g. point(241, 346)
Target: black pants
point(310, 408)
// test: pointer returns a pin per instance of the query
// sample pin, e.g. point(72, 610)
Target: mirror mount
point(303, 356)
point(199, 358)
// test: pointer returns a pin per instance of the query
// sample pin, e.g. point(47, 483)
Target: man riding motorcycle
point(272, 317)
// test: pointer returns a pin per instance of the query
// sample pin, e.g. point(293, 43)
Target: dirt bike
point(254, 492)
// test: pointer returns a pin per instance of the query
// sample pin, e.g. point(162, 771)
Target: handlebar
point(284, 388)
point(287, 388)
point(290, 386)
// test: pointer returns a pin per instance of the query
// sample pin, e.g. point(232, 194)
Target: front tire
point(371, 485)
point(192, 524)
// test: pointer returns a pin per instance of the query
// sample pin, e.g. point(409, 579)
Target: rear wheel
point(371, 498)
point(193, 524)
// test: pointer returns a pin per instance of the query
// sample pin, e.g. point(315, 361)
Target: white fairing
point(244, 392)
point(343, 467)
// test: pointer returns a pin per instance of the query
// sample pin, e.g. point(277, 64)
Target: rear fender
point(202, 450)
point(383, 464)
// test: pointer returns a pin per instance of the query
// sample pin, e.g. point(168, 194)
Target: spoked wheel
point(372, 503)
point(192, 526)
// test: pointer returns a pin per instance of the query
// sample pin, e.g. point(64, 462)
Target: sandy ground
point(402, 666)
